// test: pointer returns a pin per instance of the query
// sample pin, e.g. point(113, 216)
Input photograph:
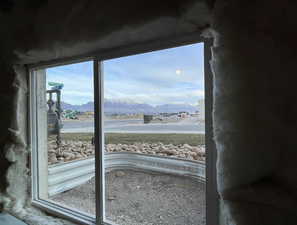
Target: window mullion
point(99, 140)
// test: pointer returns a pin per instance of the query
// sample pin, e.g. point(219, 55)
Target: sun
point(178, 71)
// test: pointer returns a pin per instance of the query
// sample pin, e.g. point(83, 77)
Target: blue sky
point(172, 75)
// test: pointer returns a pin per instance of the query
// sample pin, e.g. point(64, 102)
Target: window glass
point(154, 136)
point(65, 126)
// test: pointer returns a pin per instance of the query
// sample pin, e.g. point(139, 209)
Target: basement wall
point(255, 102)
point(255, 111)
point(13, 133)
point(50, 30)
point(15, 185)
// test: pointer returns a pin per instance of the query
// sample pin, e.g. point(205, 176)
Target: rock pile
point(75, 150)
point(69, 151)
point(184, 151)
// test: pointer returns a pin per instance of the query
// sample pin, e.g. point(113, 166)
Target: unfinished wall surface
point(255, 108)
point(47, 30)
point(15, 150)
point(37, 31)
point(254, 58)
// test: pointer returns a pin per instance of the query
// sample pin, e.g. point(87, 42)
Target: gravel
point(76, 150)
point(143, 198)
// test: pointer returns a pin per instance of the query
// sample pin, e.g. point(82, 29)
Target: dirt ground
point(143, 198)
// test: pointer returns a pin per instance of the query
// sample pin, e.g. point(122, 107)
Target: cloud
point(78, 87)
point(171, 96)
point(144, 78)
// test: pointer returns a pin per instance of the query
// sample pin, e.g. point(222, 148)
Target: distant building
point(168, 114)
point(183, 114)
point(147, 118)
point(201, 109)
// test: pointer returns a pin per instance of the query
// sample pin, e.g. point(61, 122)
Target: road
point(134, 126)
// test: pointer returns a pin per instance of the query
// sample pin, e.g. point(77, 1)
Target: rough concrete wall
point(13, 142)
point(45, 30)
point(254, 58)
point(34, 31)
point(255, 108)
point(7, 95)
point(14, 162)
point(16, 147)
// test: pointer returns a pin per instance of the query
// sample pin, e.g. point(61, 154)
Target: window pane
point(65, 130)
point(154, 137)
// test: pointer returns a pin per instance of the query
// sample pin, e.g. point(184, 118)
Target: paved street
point(134, 126)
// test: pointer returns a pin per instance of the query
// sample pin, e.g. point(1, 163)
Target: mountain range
point(119, 107)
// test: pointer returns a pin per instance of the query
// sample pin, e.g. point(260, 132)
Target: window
point(88, 136)
point(63, 155)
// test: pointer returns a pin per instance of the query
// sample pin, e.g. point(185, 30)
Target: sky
point(174, 76)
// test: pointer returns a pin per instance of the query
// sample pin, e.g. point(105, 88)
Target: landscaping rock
point(52, 159)
point(76, 150)
point(120, 173)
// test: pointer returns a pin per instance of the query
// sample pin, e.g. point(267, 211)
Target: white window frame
point(212, 198)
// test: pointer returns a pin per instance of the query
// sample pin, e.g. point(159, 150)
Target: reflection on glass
point(154, 118)
point(70, 132)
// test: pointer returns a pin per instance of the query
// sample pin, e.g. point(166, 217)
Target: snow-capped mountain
point(122, 107)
